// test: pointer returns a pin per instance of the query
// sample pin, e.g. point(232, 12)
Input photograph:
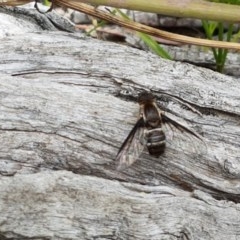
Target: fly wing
point(179, 126)
point(132, 146)
point(185, 139)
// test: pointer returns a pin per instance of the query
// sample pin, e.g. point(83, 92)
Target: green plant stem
point(184, 8)
point(149, 41)
point(209, 28)
point(219, 60)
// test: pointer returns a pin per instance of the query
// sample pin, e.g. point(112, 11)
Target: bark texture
point(67, 102)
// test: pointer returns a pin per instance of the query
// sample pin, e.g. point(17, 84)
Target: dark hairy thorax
point(152, 117)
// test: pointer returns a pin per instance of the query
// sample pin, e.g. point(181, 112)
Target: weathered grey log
point(63, 205)
point(65, 103)
point(15, 20)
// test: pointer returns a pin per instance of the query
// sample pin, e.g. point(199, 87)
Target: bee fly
point(148, 131)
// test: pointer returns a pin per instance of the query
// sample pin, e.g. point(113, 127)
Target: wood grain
point(67, 102)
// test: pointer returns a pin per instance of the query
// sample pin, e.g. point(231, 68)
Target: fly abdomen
point(155, 141)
